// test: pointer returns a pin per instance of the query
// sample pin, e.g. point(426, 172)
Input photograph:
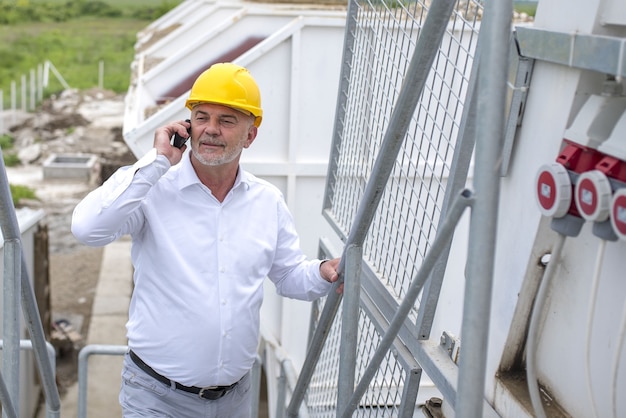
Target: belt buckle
point(210, 394)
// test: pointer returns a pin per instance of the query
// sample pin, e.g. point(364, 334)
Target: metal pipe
point(492, 82)
point(282, 392)
point(342, 95)
point(46, 368)
point(28, 346)
point(11, 287)
point(11, 319)
point(292, 378)
point(83, 357)
point(412, 87)
point(349, 325)
point(444, 236)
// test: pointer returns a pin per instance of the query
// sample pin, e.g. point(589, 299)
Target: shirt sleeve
point(112, 210)
point(293, 275)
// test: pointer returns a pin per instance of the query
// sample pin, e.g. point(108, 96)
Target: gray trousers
point(143, 396)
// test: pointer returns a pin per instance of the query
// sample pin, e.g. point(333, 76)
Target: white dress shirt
point(199, 264)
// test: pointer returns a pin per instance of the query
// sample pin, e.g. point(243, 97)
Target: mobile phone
point(179, 141)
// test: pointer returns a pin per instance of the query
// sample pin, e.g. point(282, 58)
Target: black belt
point(211, 393)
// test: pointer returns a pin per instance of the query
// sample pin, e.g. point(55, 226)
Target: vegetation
point(19, 192)
point(9, 156)
point(528, 7)
point(75, 36)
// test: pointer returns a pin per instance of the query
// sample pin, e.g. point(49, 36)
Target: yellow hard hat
point(229, 85)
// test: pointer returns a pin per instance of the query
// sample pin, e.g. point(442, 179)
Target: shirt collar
point(187, 175)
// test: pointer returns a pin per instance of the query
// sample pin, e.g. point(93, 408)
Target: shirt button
point(222, 270)
point(223, 301)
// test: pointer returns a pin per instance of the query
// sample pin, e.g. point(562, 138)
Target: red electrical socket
point(578, 159)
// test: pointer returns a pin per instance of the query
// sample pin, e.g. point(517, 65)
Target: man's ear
point(251, 136)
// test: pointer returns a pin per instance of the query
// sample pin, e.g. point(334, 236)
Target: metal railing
point(408, 117)
point(119, 350)
point(18, 293)
point(31, 92)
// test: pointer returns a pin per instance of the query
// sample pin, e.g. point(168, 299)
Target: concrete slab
point(70, 166)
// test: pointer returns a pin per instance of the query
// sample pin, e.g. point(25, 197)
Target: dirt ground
point(74, 277)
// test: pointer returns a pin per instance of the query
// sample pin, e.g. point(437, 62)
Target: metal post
point(33, 90)
point(282, 392)
point(342, 94)
point(39, 83)
point(409, 393)
point(1, 112)
point(11, 288)
point(490, 133)
point(13, 102)
point(444, 237)
point(101, 74)
point(35, 329)
point(349, 324)
point(23, 101)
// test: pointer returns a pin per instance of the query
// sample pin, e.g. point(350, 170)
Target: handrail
point(11, 235)
point(83, 357)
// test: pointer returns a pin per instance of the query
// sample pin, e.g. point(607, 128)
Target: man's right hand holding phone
point(163, 140)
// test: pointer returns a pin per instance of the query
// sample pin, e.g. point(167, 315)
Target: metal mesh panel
point(384, 395)
point(406, 222)
point(411, 206)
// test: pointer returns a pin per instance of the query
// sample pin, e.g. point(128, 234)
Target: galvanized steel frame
point(401, 336)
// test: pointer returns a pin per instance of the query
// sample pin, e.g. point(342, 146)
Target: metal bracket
point(452, 345)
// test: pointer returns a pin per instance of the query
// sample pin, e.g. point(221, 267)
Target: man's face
point(219, 133)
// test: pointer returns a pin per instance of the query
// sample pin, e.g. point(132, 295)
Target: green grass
point(75, 46)
point(9, 155)
point(528, 7)
point(19, 192)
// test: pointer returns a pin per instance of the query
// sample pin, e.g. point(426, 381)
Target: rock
point(29, 154)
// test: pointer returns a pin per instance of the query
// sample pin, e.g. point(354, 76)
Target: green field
point(77, 44)
point(528, 7)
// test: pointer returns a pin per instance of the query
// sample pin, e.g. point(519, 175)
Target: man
point(205, 234)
